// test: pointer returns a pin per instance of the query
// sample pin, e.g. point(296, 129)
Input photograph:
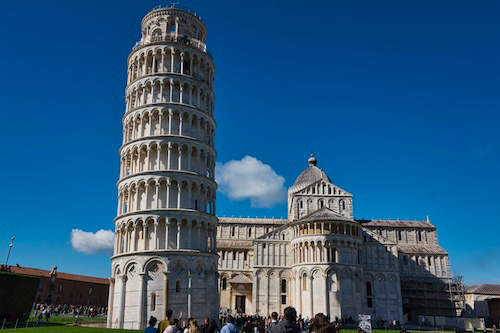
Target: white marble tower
point(165, 248)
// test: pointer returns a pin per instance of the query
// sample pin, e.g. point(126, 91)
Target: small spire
point(312, 160)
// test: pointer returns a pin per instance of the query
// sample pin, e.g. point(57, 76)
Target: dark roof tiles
point(485, 289)
point(59, 275)
point(397, 224)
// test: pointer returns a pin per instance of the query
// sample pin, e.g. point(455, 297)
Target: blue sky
point(398, 100)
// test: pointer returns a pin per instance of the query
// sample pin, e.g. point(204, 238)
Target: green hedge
point(17, 294)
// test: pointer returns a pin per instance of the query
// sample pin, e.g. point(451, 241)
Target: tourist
point(192, 326)
point(229, 327)
point(212, 327)
point(204, 326)
point(274, 321)
point(151, 328)
point(288, 325)
point(162, 326)
point(320, 324)
point(185, 326)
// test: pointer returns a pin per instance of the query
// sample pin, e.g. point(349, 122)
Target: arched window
point(419, 236)
point(283, 236)
point(399, 235)
point(177, 286)
point(223, 255)
point(224, 283)
point(314, 190)
point(232, 231)
point(153, 301)
point(320, 203)
point(249, 232)
point(301, 204)
point(304, 282)
point(329, 190)
point(342, 204)
point(369, 296)
point(283, 292)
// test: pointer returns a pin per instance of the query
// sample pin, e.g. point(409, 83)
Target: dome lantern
point(312, 160)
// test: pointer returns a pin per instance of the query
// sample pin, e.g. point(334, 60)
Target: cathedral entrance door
point(240, 304)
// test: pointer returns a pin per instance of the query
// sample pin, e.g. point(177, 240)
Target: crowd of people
point(45, 311)
point(286, 323)
point(177, 325)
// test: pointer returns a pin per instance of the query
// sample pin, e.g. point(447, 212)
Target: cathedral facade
point(321, 259)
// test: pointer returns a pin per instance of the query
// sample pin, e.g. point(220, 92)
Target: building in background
point(63, 288)
point(321, 259)
point(483, 301)
point(165, 252)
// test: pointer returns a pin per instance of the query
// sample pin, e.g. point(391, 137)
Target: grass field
point(69, 320)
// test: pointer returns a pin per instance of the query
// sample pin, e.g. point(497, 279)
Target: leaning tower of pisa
point(164, 255)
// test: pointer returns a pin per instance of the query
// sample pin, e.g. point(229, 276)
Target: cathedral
point(321, 259)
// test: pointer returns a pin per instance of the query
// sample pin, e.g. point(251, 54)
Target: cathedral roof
point(486, 289)
point(324, 214)
point(310, 175)
point(421, 249)
point(397, 224)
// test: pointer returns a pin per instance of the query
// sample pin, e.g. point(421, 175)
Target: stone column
point(326, 294)
point(179, 157)
point(157, 196)
point(168, 194)
point(254, 293)
point(169, 153)
point(122, 303)
point(179, 234)
point(165, 292)
point(156, 234)
point(167, 225)
point(198, 230)
point(140, 310)
point(179, 188)
point(189, 295)
point(311, 295)
point(111, 297)
point(134, 237)
point(182, 62)
point(162, 61)
point(171, 99)
point(158, 156)
point(189, 227)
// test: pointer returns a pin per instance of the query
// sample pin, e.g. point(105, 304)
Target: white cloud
point(101, 241)
point(251, 179)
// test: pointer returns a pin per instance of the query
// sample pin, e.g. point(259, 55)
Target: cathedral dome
point(311, 175)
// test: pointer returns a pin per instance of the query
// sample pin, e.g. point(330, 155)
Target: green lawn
point(69, 320)
point(65, 329)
